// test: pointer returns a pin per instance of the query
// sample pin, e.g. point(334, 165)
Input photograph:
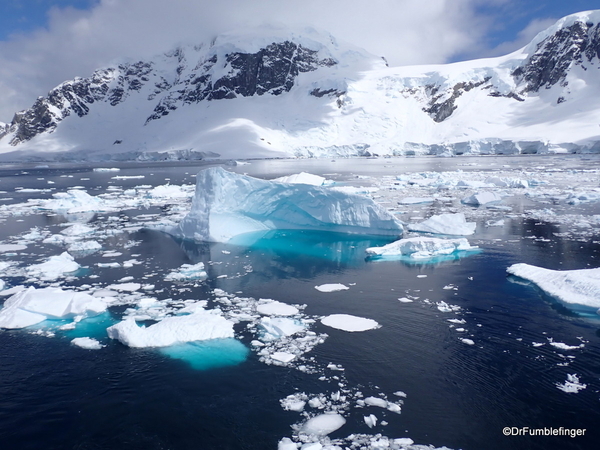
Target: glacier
point(226, 204)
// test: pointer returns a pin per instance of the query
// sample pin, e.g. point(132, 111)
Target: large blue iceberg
point(226, 204)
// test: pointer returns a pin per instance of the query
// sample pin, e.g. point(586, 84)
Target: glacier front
point(227, 204)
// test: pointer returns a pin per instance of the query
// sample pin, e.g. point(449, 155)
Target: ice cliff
point(227, 204)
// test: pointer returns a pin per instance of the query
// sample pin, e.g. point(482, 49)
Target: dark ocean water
point(220, 396)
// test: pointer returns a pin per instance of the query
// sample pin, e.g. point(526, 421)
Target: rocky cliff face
point(271, 70)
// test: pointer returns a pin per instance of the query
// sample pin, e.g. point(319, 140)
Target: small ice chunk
point(421, 248)
point(331, 287)
point(415, 200)
point(450, 224)
point(445, 307)
point(571, 385)
point(283, 357)
point(12, 247)
point(376, 401)
point(482, 198)
point(349, 322)
point(278, 327)
point(275, 308)
point(286, 444)
point(467, 341)
point(323, 424)
point(188, 272)
point(405, 300)
point(77, 229)
point(302, 178)
point(55, 267)
point(370, 420)
point(88, 343)
point(127, 287)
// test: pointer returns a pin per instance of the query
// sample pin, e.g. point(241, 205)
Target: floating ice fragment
point(331, 287)
point(375, 401)
point(75, 201)
point(88, 343)
point(482, 198)
point(563, 346)
point(467, 341)
point(128, 287)
point(227, 204)
point(188, 272)
point(445, 307)
point(323, 424)
point(286, 444)
point(282, 357)
point(302, 178)
point(370, 420)
point(421, 248)
point(348, 322)
point(54, 268)
point(275, 308)
point(201, 325)
point(450, 224)
point(580, 287)
point(278, 327)
point(571, 385)
point(12, 247)
point(405, 300)
point(31, 306)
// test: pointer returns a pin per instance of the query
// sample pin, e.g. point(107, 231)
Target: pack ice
point(227, 204)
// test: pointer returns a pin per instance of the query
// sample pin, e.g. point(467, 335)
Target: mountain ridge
point(305, 94)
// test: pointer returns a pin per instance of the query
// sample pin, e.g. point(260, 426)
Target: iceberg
point(580, 287)
point(226, 204)
point(32, 306)
point(199, 326)
point(421, 248)
point(451, 224)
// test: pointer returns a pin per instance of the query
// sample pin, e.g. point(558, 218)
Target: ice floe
point(450, 224)
point(227, 204)
point(198, 326)
point(349, 322)
point(188, 272)
point(421, 248)
point(331, 287)
point(87, 343)
point(323, 424)
point(581, 287)
point(55, 267)
point(275, 308)
point(32, 306)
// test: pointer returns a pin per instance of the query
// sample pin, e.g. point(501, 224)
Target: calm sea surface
point(57, 396)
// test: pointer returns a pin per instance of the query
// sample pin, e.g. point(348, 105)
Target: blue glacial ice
point(227, 204)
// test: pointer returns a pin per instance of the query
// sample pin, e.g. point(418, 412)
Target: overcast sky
point(45, 42)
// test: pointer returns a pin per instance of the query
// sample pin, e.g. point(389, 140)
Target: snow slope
point(276, 93)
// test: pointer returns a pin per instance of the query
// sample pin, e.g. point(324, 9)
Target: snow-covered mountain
point(277, 93)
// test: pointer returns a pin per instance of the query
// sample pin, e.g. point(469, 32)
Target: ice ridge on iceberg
point(226, 204)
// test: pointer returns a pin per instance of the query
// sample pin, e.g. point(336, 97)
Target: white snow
point(87, 343)
point(451, 224)
point(331, 287)
point(227, 204)
point(31, 306)
point(580, 287)
point(323, 424)
point(349, 322)
point(421, 248)
point(198, 326)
